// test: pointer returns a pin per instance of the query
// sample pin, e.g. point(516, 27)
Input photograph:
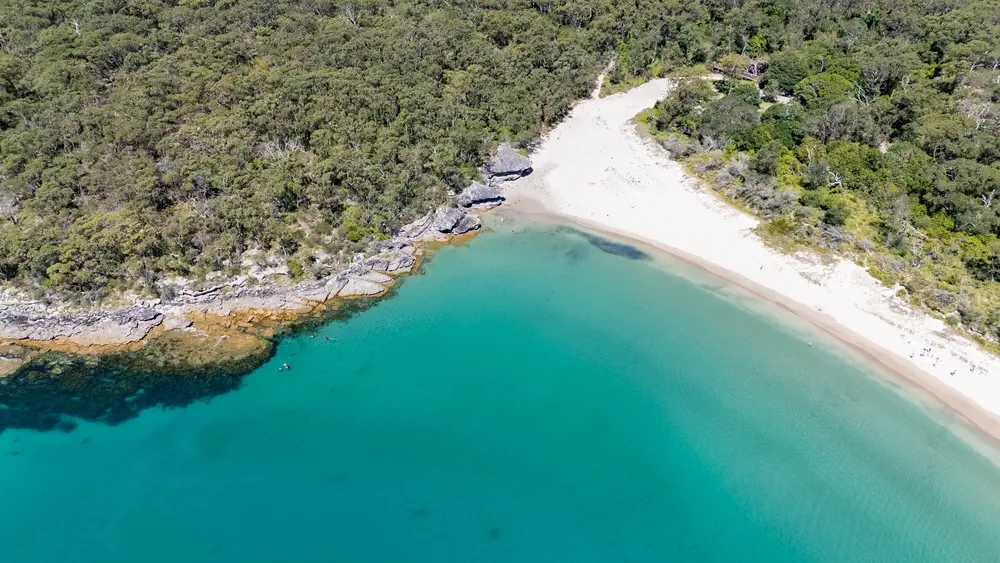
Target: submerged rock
point(42, 389)
point(9, 366)
point(612, 247)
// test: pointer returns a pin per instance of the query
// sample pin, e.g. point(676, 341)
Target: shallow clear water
point(530, 398)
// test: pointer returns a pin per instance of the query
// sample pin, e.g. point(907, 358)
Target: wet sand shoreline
point(974, 423)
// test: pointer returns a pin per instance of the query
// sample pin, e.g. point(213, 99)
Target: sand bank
point(596, 170)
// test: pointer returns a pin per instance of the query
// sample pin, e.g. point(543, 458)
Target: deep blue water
point(534, 396)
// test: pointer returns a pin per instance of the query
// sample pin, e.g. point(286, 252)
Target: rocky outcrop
point(481, 196)
point(27, 321)
point(440, 224)
point(176, 323)
point(359, 287)
point(466, 224)
point(263, 291)
point(375, 277)
point(127, 325)
point(117, 327)
point(507, 163)
point(393, 260)
point(36, 322)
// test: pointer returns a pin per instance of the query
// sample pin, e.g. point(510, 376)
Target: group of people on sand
point(928, 352)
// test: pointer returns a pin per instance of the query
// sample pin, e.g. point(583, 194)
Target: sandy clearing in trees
point(594, 169)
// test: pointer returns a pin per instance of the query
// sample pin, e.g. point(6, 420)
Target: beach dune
point(595, 169)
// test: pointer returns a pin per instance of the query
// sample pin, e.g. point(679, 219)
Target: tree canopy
point(140, 139)
point(869, 127)
point(144, 139)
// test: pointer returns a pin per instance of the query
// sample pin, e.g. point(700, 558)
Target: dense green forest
point(869, 128)
point(143, 138)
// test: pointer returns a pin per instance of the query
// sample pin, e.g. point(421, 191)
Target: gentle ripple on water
point(515, 404)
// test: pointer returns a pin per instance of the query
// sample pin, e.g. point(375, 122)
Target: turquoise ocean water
point(531, 397)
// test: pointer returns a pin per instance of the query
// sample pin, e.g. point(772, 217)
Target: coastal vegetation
point(141, 140)
point(866, 128)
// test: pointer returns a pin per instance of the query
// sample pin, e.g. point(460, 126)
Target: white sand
point(595, 167)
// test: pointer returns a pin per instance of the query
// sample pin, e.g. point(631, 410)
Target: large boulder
point(481, 195)
point(507, 164)
point(136, 315)
point(447, 218)
point(357, 287)
point(467, 223)
point(376, 264)
point(417, 229)
point(376, 277)
point(438, 225)
point(176, 322)
point(392, 260)
point(401, 261)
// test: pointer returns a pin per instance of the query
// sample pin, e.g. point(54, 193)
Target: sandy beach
point(594, 169)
